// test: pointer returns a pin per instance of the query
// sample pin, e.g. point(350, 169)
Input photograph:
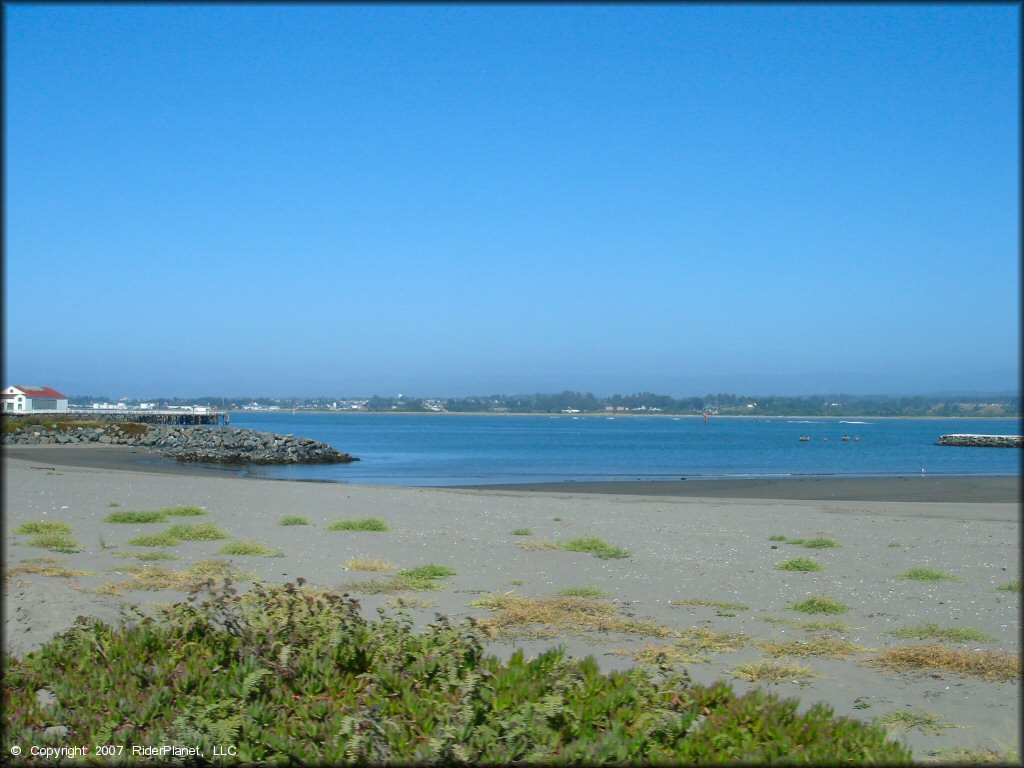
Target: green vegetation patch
point(149, 556)
point(162, 539)
point(983, 665)
point(926, 574)
point(44, 566)
point(582, 592)
point(819, 543)
point(302, 673)
point(55, 542)
point(534, 617)
point(364, 524)
point(771, 671)
point(694, 647)
point(126, 516)
point(422, 578)
point(249, 547)
point(595, 546)
point(43, 527)
point(1013, 586)
point(808, 626)
point(522, 532)
point(820, 646)
point(820, 604)
point(197, 532)
point(945, 634)
point(928, 722)
point(720, 604)
point(293, 520)
point(805, 564)
point(152, 578)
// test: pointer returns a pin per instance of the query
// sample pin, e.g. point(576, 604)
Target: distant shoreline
point(605, 415)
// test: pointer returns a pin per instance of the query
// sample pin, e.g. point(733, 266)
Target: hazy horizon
point(453, 200)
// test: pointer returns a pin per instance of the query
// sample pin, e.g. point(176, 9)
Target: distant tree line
point(641, 402)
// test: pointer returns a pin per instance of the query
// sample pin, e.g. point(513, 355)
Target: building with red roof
point(25, 399)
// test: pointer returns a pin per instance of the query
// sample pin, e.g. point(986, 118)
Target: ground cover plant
point(249, 547)
point(422, 578)
point(293, 520)
point(43, 527)
point(771, 671)
point(720, 604)
point(197, 532)
point(364, 524)
point(945, 634)
point(820, 646)
point(805, 564)
point(1013, 586)
point(149, 556)
point(522, 532)
point(368, 564)
point(818, 543)
point(983, 665)
point(595, 546)
point(926, 574)
point(303, 677)
point(808, 626)
point(582, 592)
point(533, 617)
point(162, 539)
point(920, 719)
point(820, 604)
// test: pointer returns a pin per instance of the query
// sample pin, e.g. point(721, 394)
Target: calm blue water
point(462, 450)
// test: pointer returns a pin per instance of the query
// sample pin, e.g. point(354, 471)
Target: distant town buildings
point(26, 399)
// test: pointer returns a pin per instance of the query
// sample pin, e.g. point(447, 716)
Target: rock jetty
point(982, 441)
point(212, 445)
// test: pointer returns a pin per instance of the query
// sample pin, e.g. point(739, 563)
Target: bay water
point(446, 450)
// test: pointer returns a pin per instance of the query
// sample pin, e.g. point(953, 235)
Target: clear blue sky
point(457, 199)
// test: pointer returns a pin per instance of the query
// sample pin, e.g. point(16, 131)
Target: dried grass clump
point(720, 604)
point(767, 670)
point(368, 564)
point(516, 615)
point(920, 719)
point(44, 566)
point(152, 578)
point(821, 646)
point(983, 665)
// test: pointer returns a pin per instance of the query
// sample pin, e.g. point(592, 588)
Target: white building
point(26, 399)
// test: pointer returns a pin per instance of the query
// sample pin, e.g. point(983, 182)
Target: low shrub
point(365, 524)
point(303, 677)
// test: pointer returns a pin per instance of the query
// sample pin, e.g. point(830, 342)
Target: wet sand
point(683, 547)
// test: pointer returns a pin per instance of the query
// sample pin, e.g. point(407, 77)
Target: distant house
point(33, 400)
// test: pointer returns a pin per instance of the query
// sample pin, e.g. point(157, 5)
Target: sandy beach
point(698, 541)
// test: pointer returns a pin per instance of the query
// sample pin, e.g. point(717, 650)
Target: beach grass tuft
point(127, 516)
point(820, 604)
point(249, 547)
point(536, 546)
point(44, 566)
point(153, 578)
point(819, 645)
point(961, 755)
point(365, 524)
point(804, 564)
point(293, 520)
point(819, 543)
point(189, 510)
point(162, 539)
point(522, 532)
point(920, 719)
point(771, 671)
point(55, 542)
point(535, 617)
point(197, 532)
point(944, 634)
point(595, 546)
point(926, 574)
point(43, 527)
point(422, 578)
point(149, 556)
point(1013, 586)
point(983, 665)
point(582, 592)
point(808, 626)
point(721, 605)
point(368, 564)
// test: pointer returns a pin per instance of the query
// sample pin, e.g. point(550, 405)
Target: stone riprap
point(982, 441)
point(216, 445)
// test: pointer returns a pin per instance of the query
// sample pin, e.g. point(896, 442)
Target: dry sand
point(683, 547)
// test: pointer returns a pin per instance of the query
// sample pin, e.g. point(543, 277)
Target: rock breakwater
point(213, 445)
point(982, 441)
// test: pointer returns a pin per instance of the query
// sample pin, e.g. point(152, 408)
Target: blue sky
point(458, 199)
